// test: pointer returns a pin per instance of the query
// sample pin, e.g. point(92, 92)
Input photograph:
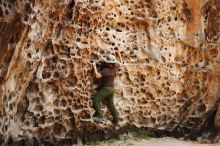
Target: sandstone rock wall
point(168, 81)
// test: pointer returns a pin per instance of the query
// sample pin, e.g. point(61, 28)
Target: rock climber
point(107, 75)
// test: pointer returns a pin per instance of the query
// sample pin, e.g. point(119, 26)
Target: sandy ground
point(166, 141)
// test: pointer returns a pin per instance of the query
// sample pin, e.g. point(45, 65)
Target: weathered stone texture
point(169, 79)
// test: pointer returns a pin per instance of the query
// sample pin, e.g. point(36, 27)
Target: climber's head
point(110, 59)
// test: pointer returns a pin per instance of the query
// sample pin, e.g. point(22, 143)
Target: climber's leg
point(217, 118)
point(111, 106)
point(101, 95)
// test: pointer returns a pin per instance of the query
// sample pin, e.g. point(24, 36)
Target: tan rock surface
point(169, 80)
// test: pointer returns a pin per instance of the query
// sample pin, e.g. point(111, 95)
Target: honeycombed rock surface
point(169, 79)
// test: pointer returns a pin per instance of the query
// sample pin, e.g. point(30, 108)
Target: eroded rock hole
point(1, 12)
point(46, 74)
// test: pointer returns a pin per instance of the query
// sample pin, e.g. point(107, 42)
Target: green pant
point(105, 93)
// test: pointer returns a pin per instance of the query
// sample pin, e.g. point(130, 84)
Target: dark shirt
point(108, 75)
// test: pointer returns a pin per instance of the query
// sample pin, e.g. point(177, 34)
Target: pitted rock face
point(168, 80)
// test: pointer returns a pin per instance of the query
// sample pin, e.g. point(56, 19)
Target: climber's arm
point(97, 74)
point(120, 58)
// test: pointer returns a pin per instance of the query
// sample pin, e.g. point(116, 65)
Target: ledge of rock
point(169, 81)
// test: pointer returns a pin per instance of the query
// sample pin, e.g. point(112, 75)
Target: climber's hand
point(98, 75)
point(119, 54)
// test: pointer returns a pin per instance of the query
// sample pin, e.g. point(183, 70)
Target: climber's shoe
point(115, 122)
point(28, 142)
point(98, 120)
